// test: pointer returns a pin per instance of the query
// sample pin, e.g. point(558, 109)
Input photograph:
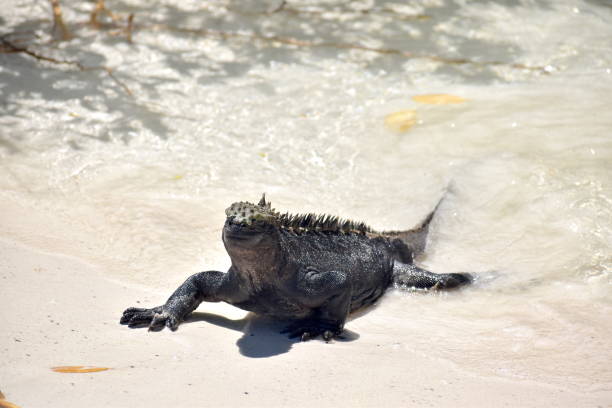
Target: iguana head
point(250, 227)
point(250, 215)
point(249, 218)
point(251, 238)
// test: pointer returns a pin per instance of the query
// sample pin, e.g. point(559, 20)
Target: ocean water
point(217, 102)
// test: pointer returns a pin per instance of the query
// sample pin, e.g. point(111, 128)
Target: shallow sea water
point(140, 182)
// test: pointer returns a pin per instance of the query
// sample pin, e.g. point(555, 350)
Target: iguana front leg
point(210, 286)
point(328, 294)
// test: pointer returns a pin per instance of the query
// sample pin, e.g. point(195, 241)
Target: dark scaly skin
point(314, 276)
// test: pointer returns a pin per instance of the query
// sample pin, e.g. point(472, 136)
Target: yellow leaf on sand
point(5, 404)
point(438, 99)
point(78, 369)
point(401, 121)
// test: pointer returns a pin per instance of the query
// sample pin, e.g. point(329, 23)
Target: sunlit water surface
point(139, 183)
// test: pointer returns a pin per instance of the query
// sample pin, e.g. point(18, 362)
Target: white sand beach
point(122, 144)
point(61, 311)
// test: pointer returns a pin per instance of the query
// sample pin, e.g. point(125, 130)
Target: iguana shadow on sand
point(311, 270)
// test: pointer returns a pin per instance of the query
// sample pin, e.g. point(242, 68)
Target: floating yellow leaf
point(178, 177)
point(263, 155)
point(438, 99)
point(78, 369)
point(401, 121)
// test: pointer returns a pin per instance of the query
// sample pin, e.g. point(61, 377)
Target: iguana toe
point(172, 323)
point(328, 335)
point(158, 322)
point(137, 316)
point(307, 330)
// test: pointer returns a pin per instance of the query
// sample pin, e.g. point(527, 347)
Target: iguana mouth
point(249, 214)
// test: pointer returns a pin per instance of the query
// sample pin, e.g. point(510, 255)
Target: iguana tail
point(410, 244)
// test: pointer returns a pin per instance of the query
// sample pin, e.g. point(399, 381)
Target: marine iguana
point(313, 270)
